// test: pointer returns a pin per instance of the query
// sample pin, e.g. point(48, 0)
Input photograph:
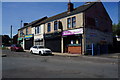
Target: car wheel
point(31, 52)
point(40, 53)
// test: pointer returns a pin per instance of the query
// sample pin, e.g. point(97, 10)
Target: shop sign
point(52, 35)
point(73, 32)
point(28, 36)
point(20, 39)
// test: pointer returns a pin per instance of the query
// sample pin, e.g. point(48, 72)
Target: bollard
point(92, 49)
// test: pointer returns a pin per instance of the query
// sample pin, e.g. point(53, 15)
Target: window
point(69, 22)
point(26, 31)
point(34, 46)
point(21, 32)
point(73, 22)
point(38, 30)
point(55, 25)
point(35, 30)
point(49, 27)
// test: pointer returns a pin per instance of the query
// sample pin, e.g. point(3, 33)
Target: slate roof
point(66, 13)
point(34, 22)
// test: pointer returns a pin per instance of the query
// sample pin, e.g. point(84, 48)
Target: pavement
point(110, 55)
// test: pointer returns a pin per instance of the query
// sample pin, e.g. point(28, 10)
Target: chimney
point(25, 24)
point(70, 6)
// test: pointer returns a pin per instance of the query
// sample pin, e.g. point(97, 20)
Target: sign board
point(20, 38)
point(28, 36)
point(72, 32)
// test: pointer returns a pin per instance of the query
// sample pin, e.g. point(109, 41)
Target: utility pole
point(11, 35)
point(21, 23)
point(11, 32)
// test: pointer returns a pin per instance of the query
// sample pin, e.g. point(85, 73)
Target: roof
point(34, 22)
point(66, 13)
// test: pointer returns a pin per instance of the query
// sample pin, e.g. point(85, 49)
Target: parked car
point(40, 50)
point(16, 47)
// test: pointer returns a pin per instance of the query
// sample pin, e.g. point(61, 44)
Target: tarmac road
point(26, 65)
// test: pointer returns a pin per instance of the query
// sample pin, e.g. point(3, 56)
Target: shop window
point(49, 27)
point(69, 22)
point(73, 22)
point(55, 25)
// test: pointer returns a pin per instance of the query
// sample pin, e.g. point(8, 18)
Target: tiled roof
point(66, 13)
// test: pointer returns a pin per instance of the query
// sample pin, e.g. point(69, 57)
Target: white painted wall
point(40, 35)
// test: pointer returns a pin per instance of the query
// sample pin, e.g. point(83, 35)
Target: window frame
point(38, 29)
point(21, 32)
point(68, 23)
point(73, 21)
point(48, 27)
point(55, 25)
point(26, 31)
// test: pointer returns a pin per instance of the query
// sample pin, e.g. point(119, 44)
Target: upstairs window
point(73, 22)
point(35, 30)
point(48, 27)
point(55, 25)
point(38, 31)
point(26, 31)
point(69, 22)
point(21, 32)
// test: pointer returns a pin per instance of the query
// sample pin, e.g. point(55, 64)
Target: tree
point(116, 29)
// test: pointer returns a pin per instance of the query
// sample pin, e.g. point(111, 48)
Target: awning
point(28, 36)
point(20, 38)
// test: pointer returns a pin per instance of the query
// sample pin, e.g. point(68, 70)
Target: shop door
point(53, 44)
point(28, 44)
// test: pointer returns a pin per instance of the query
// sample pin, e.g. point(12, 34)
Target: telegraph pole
point(11, 32)
point(11, 35)
point(21, 23)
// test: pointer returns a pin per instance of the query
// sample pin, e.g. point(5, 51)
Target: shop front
point(28, 40)
point(20, 41)
point(72, 41)
point(53, 41)
point(38, 41)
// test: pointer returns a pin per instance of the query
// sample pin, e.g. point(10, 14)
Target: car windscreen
point(40, 47)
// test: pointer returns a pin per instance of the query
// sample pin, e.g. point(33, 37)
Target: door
point(28, 44)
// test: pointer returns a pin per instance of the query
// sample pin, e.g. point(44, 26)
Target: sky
point(14, 12)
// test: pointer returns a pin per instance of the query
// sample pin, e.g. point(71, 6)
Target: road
point(26, 65)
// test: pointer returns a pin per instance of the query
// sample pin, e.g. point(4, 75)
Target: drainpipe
point(83, 36)
point(44, 35)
